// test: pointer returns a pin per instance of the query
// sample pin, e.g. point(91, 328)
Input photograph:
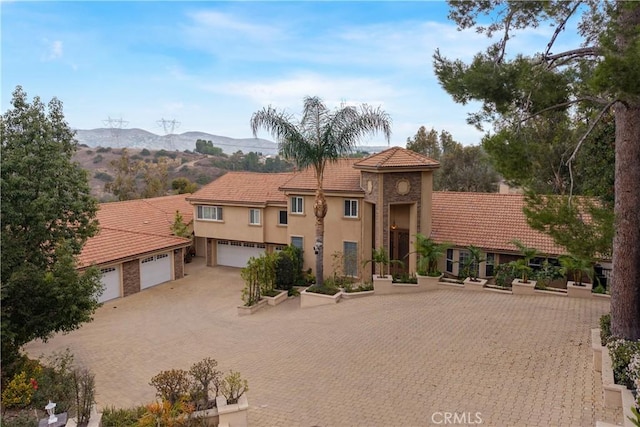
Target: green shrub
point(56, 382)
point(97, 159)
point(233, 386)
point(326, 289)
point(112, 417)
point(103, 150)
point(103, 176)
point(89, 152)
point(23, 419)
point(622, 352)
point(19, 391)
point(504, 275)
point(605, 328)
point(145, 152)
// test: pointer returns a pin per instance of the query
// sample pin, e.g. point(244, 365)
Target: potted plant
point(574, 267)
point(471, 266)
point(523, 286)
point(382, 282)
point(429, 252)
point(380, 257)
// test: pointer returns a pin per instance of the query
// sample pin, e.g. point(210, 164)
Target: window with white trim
point(350, 252)
point(297, 205)
point(350, 208)
point(283, 219)
point(297, 241)
point(211, 213)
point(254, 216)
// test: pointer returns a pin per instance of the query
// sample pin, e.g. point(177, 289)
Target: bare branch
point(505, 38)
point(565, 104)
point(584, 137)
point(593, 125)
point(571, 54)
point(559, 29)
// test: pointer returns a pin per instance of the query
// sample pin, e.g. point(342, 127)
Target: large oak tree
point(597, 78)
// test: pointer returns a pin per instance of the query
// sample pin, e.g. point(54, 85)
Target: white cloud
point(288, 91)
point(55, 50)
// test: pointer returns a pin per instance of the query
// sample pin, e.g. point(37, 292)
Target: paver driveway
point(396, 360)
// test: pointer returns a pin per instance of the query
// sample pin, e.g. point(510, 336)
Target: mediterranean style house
point(382, 200)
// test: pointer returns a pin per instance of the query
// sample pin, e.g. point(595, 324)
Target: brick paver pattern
point(395, 360)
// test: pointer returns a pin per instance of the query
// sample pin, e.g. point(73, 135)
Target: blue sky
point(210, 65)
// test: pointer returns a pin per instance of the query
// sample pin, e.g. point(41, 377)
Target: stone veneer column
point(178, 264)
point(131, 277)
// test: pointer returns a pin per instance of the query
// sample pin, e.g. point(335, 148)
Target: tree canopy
point(47, 216)
point(550, 104)
point(319, 137)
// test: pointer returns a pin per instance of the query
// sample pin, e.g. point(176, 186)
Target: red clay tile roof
point(134, 227)
point(487, 220)
point(339, 176)
point(244, 188)
point(397, 158)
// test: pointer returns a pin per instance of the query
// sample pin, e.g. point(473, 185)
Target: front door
point(398, 250)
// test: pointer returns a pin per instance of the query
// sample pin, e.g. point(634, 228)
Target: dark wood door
point(398, 250)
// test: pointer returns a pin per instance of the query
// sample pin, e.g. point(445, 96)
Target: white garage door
point(237, 254)
point(111, 282)
point(154, 270)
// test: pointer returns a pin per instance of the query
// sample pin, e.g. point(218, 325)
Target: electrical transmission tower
point(169, 126)
point(115, 126)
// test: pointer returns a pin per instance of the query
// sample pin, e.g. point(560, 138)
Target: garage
point(236, 254)
point(154, 270)
point(111, 283)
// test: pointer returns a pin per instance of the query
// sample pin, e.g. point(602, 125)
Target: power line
point(169, 126)
point(115, 126)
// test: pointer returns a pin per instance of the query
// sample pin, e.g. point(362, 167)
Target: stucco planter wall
point(312, 299)
point(518, 287)
point(474, 285)
point(382, 285)
point(428, 282)
point(596, 348)
point(614, 395)
point(576, 291)
point(95, 419)
point(234, 415)
point(353, 295)
point(243, 310)
point(223, 414)
point(282, 296)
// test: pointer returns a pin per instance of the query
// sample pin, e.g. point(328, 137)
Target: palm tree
point(429, 253)
point(522, 265)
point(319, 137)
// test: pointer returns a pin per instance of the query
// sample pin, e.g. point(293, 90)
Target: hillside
point(138, 138)
point(196, 167)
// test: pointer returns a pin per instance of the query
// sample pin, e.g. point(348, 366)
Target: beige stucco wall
point(274, 233)
point(234, 226)
point(337, 230)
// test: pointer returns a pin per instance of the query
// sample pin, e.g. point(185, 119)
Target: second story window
point(211, 213)
point(351, 208)
point(282, 218)
point(297, 205)
point(254, 216)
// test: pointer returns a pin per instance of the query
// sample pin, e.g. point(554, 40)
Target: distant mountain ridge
point(140, 138)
